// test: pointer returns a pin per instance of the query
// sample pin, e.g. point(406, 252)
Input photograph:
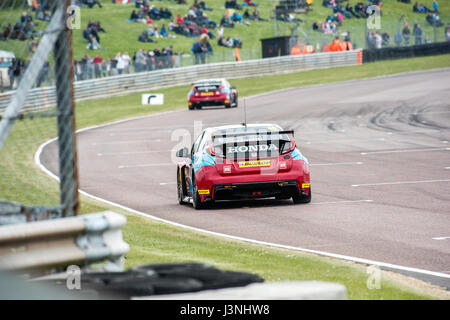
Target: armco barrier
point(430, 49)
point(48, 244)
point(41, 98)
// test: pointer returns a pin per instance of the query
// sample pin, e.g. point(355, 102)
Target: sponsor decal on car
point(253, 148)
point(203, 191)
point(254, 163)
point(305, 185)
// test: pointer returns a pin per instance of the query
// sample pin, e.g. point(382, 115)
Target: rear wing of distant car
point(258, 133)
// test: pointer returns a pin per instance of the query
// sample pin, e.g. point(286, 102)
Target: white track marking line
point(399, 182)
point(130, 152)
point(336, 163)
point(147, 165)
point(447, 168)
point(440, 238)
point(343, 201)
point(399, 151)
point(166, 183)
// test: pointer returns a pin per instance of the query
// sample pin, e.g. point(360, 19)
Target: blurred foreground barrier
point(429, 49)
point(292, 290)
point(45, 245)
point(176, 281)
point(41, 98)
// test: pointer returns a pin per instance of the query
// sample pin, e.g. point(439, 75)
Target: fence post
point(68, 169)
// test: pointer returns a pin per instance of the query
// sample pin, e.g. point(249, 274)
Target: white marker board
point(153, 98)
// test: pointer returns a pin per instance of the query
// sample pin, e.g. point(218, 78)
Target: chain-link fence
point(35, 49)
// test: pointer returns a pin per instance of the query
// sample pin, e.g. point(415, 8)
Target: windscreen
point(207, 86)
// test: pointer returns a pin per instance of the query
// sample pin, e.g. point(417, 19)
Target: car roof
point(209, 80)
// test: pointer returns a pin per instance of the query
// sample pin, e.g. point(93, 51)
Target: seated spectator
point(256, 15)
point(165, 13)
point(226, 22)
point(416, 7)
point(93, 43)
point(143, 37)
point(232, 4)
point(92, 3)
point(349, 9)
point(134, 16)
point(315, 26)
point(434, 20)
point(203, 6)
point(249, 3)
point(208, 33)
point(236, 17)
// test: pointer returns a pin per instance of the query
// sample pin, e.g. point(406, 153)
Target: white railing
point(41, 98)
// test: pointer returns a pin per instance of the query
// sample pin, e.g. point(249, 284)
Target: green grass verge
point(155, 242)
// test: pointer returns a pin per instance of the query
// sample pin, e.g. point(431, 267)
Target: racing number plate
point(207, 93)
point(254, 163)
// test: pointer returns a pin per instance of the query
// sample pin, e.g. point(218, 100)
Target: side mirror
point(183, 153)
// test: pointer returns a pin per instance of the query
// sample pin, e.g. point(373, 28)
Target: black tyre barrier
point(429, 49)
point(156, 279)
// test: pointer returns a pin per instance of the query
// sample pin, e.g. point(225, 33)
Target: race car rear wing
point(238, 134)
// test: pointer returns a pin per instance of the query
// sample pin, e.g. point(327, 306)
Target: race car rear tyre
point(196, 202)
point(235, 104)
point(191, 107)
point(228, 106)
point(298, 198)
point(180, 190)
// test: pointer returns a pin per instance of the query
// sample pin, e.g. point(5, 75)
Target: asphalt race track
point(380, 169)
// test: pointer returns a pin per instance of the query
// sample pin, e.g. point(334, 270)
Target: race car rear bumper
point(251, 190)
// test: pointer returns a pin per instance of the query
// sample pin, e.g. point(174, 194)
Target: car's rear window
point(250, 145)
point(207, 86)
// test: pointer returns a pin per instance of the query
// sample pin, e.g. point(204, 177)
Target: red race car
point(242, 162)
point(212, 92)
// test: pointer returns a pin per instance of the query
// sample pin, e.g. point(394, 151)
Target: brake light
point(211, 150)
point(196, 94)
point(217, 92)
point(288, 147)
point(283, 165)
point(226, 169)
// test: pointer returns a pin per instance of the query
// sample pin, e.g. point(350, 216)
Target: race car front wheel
point(298, 198)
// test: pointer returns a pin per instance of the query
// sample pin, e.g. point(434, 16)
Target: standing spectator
point(126, 59)
point(43, 74)
point(77, 71)
point(98, 61)
point(120, 63)
point(378, 40)
point(199, 52)
point(435, 6)
point(447, 32)
point(418, 34)
point(406, 34)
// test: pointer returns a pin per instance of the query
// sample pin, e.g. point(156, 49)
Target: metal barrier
point(57, 243)
point(41, 98)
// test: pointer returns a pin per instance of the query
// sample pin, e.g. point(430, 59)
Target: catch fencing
point(41, 98)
